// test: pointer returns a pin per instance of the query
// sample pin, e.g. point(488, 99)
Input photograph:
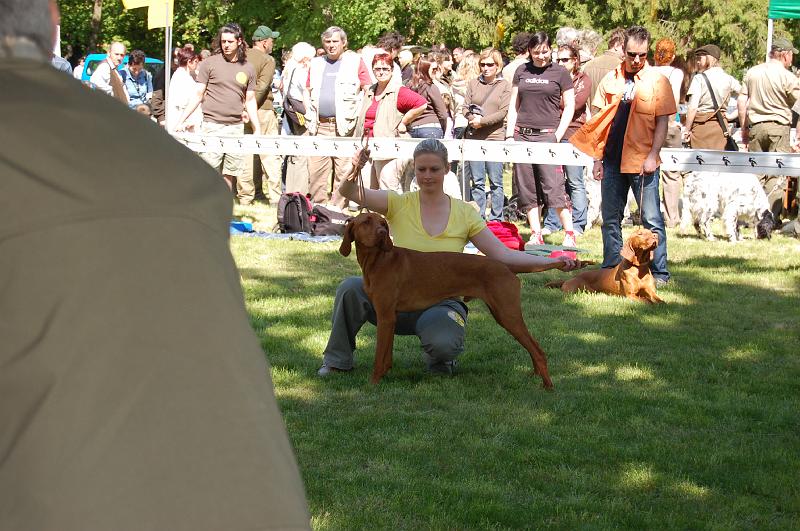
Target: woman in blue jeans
point(568, 56)
point(486, 107)
point(433, 120)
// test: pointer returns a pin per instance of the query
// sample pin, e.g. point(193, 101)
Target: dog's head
point(765, 225)
point(367, 230)
point(639, 247)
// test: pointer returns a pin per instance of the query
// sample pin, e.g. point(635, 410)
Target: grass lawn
point(683, 415)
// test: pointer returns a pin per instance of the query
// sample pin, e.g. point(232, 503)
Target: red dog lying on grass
point(393, 284)
point(631, 278)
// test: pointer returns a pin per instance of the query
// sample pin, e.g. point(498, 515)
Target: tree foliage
point(738, 26)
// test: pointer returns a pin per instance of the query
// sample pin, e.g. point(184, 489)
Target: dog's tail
point(555, 284)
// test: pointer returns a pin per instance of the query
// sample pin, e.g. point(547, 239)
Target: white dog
point(735, 197)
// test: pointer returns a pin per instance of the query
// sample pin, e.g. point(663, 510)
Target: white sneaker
point(546, 231)
point(569, 241)
point(536, 239)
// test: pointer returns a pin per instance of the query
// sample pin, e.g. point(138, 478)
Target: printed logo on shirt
point(241, 77)
point(456, 317)
point(537, 81)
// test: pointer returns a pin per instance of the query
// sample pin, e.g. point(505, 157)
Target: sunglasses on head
point(634, 55)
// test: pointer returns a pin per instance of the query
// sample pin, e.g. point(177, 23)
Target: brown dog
point(631, 278)
point(393, 282)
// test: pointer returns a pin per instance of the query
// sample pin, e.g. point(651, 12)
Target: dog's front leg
point(387, 319)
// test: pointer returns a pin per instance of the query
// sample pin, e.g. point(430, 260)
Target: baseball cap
point(263, 33)
point(709, 49)
point(782, 44)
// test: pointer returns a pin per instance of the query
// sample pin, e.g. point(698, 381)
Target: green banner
point(784, 8)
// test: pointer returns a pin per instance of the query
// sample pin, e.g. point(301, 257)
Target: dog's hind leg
point(506, 310)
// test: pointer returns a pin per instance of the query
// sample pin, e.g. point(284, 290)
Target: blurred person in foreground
point(135, 394)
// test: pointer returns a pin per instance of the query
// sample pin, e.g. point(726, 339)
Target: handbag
point(730, 143)
point(294, 110)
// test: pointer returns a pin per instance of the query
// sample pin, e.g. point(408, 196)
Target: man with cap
point(769, 91)
point(135, 394)
point(702, 129)
point(266, 169)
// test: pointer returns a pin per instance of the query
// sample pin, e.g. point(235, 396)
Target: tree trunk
point(97, 15)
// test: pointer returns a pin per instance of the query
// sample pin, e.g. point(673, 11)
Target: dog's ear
point(347, 239)
point(627, 251)
point(386, 243)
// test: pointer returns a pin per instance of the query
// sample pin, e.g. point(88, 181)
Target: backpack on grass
point(294, 213)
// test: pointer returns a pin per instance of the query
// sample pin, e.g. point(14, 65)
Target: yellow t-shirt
point(407, 231)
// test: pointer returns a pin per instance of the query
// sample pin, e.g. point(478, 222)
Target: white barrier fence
point(525, 152)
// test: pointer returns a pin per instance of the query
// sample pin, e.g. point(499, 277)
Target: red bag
point(507, 233)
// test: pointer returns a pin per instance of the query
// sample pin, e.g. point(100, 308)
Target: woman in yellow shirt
point(425, 220)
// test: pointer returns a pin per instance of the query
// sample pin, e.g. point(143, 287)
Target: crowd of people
point(545, 92)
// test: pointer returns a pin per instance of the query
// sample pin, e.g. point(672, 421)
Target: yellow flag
point(133, 4)
point(157, 14)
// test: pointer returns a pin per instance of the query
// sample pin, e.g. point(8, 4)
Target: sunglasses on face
point(486, 65)
point(381, 69)
point(564, 59)
point(634, 55)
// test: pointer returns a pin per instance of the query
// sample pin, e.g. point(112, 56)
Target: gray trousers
point(440, 328)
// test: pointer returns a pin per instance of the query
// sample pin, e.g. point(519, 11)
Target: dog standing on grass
point(735, 197)
point(393, 284)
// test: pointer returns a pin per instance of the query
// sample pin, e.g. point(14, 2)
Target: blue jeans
point(580, 202)
point(426, 132)
point(494, 170)
point(614, 190)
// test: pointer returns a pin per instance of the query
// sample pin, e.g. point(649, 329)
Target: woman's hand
point(570, 264)
point(360, 158)
point(401, 128)
point(475, 123)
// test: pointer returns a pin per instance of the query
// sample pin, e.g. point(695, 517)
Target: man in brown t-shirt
point(226, 87)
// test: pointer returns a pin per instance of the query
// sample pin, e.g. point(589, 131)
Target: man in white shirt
point(105, 76)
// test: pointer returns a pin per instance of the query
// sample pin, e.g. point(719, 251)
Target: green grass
point(683, 415)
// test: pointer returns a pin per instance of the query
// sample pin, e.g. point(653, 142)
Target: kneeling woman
point(426, 220)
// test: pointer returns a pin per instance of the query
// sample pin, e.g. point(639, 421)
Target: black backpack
point(328, 222)
point(294, 213)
